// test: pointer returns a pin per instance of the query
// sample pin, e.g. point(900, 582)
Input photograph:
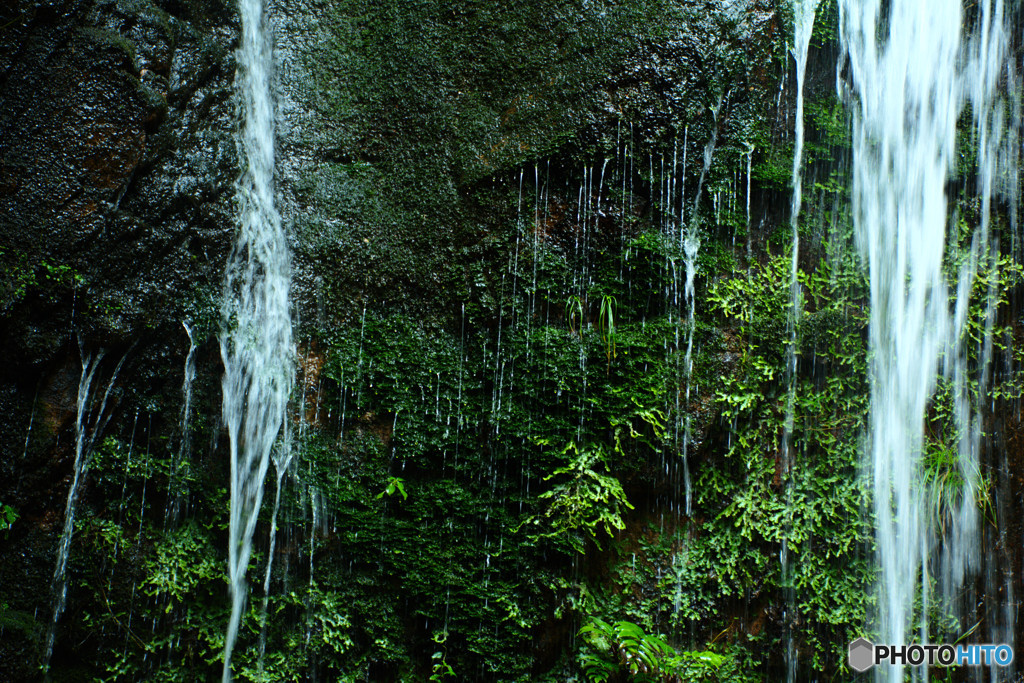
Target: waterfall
point(803, 26)
point(256, 342)
point(911, 73)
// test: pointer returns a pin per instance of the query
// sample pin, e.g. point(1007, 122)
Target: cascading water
point(803, 21)
point(803, 25)
point(690, 242)
point(256, 344)
point(911, 72)
point(282, 459)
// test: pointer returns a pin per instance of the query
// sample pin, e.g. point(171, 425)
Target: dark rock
point(117, 164)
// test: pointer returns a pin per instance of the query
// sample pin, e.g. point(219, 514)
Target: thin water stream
point(803, 26)
point(85, 440)
point(256, 344)
point(176, 494)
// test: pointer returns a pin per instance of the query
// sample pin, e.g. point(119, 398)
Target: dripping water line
point(84, 441)
point(803, 21)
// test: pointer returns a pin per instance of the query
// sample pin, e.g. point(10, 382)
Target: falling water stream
point(911, 71)
point(85, 440)
point(803, 25)
point(176, 497)
point(690, 242)
point(282, 459)
point(256, 344)
point(691, 247)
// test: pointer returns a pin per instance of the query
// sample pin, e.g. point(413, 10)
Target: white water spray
point(256, 344)
point(911, 72)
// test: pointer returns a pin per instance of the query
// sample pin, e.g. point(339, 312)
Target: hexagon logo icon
point(862, 655)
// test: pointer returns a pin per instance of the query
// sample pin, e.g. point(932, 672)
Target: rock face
point(117, 157)
point(117, 162)
point(116, 168)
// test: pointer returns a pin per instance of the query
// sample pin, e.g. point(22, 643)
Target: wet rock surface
point(117, 157)
point(117, 164)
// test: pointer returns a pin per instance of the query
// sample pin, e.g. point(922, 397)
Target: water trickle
point(282, 459)
point(911, 72)
point(85, 439)
point(184, 452)
point(691, 245)
point(803, 25)
point(689, 240)
point(256, 343)
point(28, 439)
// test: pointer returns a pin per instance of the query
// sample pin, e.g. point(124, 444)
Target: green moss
point(108, 38)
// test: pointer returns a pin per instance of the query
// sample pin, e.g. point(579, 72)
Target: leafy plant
point(574, 313)
point(395, 485)
point(588, 500)
point(624, 646)
point(8, 516)
point(606, 325)
point(441, 670)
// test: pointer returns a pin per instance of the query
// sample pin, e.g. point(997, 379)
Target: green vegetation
point(644, 657)
point(8, 516)
point(22, 277)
